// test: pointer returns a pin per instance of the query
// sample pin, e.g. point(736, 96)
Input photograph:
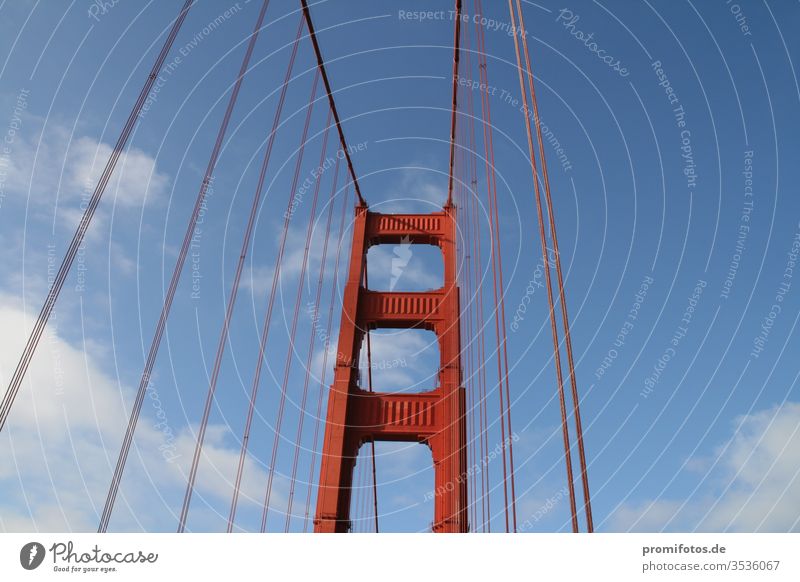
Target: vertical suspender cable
point(470, 192)
point(499, 313)
point(487, 128)
point(543, 239)
point(223, 337)
point(560, 280)
point(476, 330)
point(479, 320)
point(86, 219)
point(466, 321)
point(476, 325)
point(271, 303)
point(465, 318)
point(503, 345)
point(372, 444)
point(311, 343)
point(324, 370)
point(490, 169)
point(261, 179)
point(144, 381)
point(362, 515)
point(494, 235)
point(295, 316)
point(486, 509)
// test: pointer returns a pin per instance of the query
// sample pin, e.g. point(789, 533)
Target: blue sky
point(677, 222)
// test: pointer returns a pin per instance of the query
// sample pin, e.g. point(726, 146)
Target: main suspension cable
point(453, 116)
point(86, 219)
point(321, 67)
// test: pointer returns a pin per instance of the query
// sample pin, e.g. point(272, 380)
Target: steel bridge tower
point(357, 416)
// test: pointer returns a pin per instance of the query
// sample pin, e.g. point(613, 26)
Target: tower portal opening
point(405, 486)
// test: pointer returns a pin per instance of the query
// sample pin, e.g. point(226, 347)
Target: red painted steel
point(356, 416)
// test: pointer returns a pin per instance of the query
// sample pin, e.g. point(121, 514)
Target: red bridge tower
point(356, 416)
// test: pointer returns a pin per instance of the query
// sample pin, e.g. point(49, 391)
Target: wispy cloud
point(60, 447)
point(50, 165)
point(750, 484)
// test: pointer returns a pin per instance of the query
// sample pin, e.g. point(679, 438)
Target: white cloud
point(764, 461)
point(54, 165)
point(403, 360)
point(59, 447)
point(418, 190)
point(257, 278)
point(122, 263)
point(753, 483)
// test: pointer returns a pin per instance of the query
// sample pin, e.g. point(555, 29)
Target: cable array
point(529, 93)
point(462, 192)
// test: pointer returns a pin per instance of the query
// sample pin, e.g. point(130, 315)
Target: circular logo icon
point(31, 555)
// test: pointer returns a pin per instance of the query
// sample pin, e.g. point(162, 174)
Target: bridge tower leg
point(356, 416)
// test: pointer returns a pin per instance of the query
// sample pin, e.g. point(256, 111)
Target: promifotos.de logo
point(31, 555)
